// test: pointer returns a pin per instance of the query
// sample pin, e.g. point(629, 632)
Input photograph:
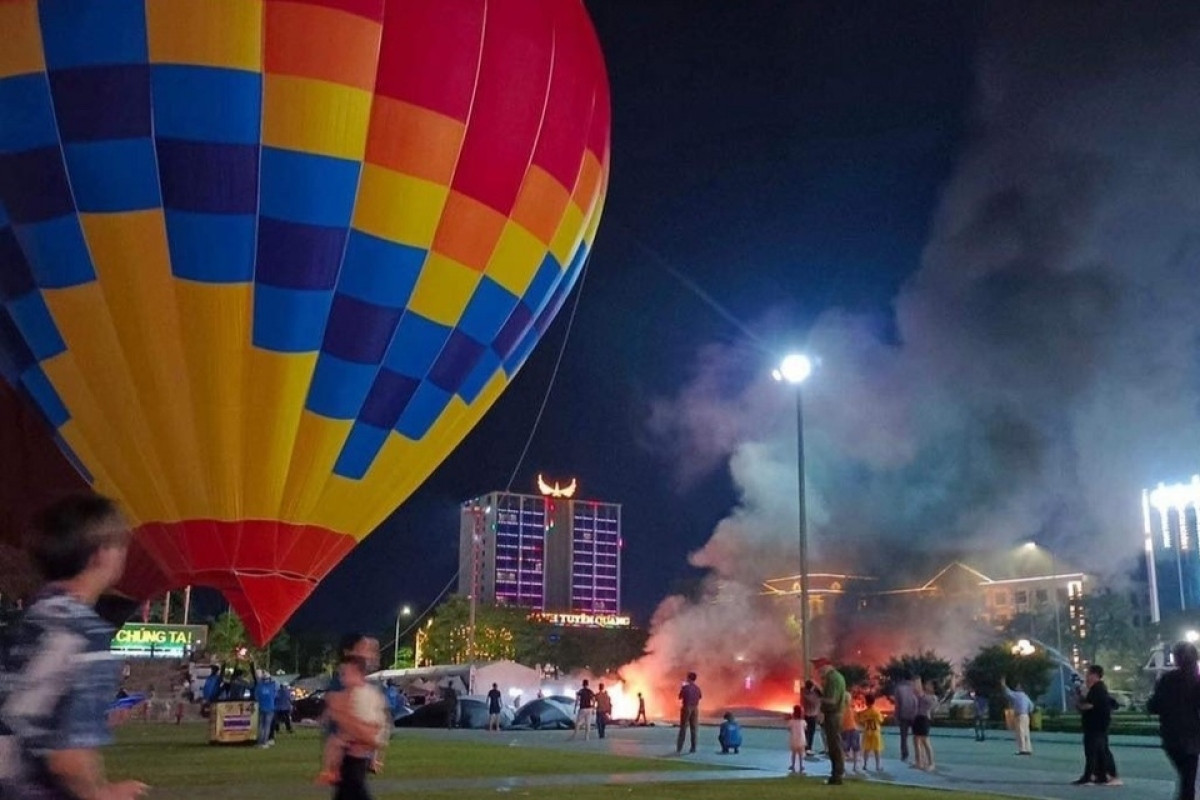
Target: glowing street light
point(1192, 637)
point(405, 612)
point(1023, 647)
point(795, 369)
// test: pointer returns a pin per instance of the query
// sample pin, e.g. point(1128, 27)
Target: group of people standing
point(591, 706)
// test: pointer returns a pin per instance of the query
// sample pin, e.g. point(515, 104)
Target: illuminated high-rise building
point(548, 552)
point(1172, 543)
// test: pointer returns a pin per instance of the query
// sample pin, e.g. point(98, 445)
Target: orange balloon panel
point(265, 262)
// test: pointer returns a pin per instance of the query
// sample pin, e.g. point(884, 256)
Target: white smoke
point(1045, 363)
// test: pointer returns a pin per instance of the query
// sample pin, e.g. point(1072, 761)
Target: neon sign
point(584, 620)
point(557, 490)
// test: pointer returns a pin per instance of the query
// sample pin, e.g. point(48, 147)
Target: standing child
point(926, 700)
point(797, 742)
point(872, 723)
point(851, 736)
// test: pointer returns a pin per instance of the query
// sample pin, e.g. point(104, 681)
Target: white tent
point(511, 677)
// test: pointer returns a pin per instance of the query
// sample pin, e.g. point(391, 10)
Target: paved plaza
point(963, 763)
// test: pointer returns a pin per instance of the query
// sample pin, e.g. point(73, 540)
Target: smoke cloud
point(1044, 365)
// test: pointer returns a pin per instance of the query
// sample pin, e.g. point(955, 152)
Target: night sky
point(785, 156)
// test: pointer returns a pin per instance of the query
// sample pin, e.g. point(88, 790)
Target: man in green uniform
point(833, 705)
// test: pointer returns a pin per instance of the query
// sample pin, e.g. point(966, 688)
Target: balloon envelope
point(263, 263)
point(33, 474)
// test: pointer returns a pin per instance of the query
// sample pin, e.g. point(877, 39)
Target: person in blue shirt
point(393, 698)
point(730, 735)
point(212, 687)
point(264, 695)
point(283, 709)
point(981, 715)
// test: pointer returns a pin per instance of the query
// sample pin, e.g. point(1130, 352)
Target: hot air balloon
point(263, 263)
point(34, 473)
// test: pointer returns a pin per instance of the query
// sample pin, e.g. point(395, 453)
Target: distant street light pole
point(795, 369)
point(405, 611)
point(1057, 618)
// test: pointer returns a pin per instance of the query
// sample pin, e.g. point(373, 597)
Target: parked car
point(959, 704)
point(1124, 700)
point(311, 706)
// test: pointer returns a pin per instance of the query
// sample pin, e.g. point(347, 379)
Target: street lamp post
point(795, 369)
point(1057, 618)
point(405, 611)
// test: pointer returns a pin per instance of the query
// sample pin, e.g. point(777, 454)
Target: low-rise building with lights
point(992, 601)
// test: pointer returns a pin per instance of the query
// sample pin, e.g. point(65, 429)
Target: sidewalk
point(1150, 740)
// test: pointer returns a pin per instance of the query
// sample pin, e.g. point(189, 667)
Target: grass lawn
point(767, 789)
point(179, 765)
point(179, 756)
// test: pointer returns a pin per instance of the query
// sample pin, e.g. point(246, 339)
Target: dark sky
point(786, 156)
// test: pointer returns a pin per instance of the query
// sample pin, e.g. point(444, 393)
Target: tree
point(404, 658)
point(227, 635)
point(855, 674)
point(927, 666)
point(1038, 624)
point(1110, 629)
point(984, 672)
point(498, 629)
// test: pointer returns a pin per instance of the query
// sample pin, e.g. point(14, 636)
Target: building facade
point(549, 552)
point(993, 602)
point(1171, 537)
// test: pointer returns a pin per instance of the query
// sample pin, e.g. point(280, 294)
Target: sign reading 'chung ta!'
point(158, 641)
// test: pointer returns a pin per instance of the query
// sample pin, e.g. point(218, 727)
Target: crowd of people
point(59, 653)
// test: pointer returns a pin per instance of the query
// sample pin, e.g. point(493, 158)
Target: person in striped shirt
point(59, 679)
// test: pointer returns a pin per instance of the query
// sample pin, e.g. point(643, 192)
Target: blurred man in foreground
point(58, 678)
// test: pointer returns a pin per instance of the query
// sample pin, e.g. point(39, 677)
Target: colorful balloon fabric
point(33, 474)
point(263, 263)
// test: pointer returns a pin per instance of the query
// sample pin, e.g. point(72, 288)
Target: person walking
point(340, 712)
point(1022, 707)
point(1176, 702)
point(833, 705)
point(640, 719)
point(689, 712)
point(585, 708)
point(810, 702)
point(980, 701)
point(56, 677)
point(905, 699)
point(1095, 707)
point(603, 709)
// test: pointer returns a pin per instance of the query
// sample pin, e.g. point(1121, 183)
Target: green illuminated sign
point(142, 638)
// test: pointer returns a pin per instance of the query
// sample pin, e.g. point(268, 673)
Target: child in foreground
point(797, 741)
point(851, 736)
point(349, 749)
point(872, 741)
